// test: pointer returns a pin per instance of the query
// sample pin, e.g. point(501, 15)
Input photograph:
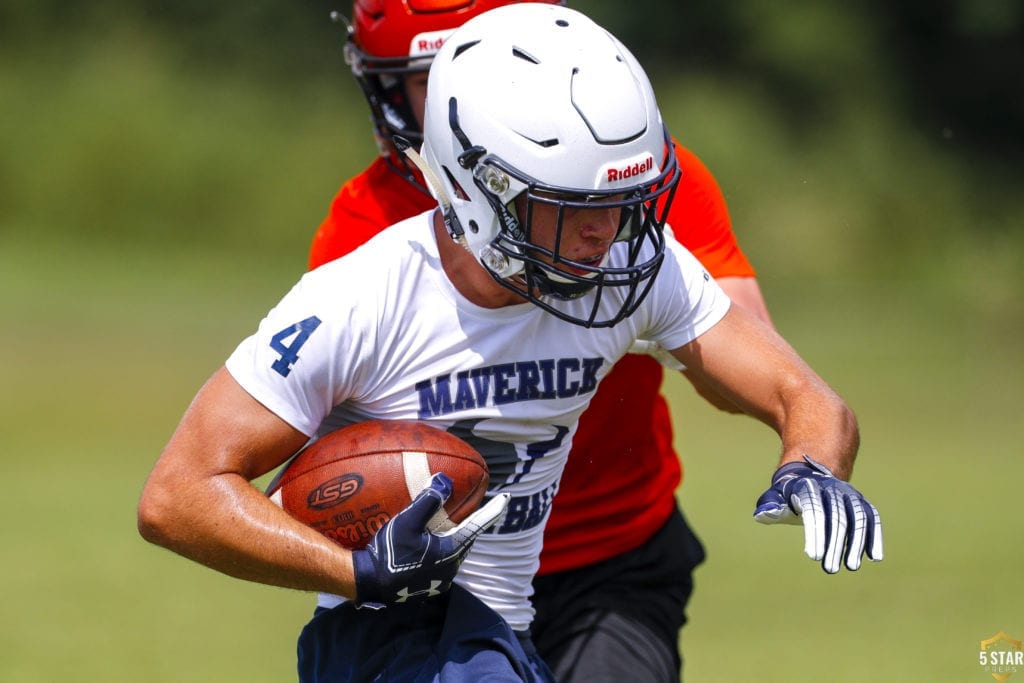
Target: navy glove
point(405, 559)
point(836, 517)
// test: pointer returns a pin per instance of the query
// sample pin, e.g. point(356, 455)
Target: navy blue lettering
point(567, 388)
point(299, 332)
point(435, 399)
point(539, 504)
point(547, 373)
point(482, 384)
point(515, 515)
point(526, 512)
point(508, 383)
point(529, 380)
point(539, 449)
point(464, 397)
point(590, 368)
point(502, 392)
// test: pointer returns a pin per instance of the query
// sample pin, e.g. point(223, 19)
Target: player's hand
point(836, 517)
point(406, 561)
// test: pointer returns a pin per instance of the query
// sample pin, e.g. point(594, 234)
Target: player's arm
point(747, 362)
point(199, 502)
point(746, 293)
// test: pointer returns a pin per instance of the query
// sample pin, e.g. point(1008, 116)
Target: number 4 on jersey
point(290, 352)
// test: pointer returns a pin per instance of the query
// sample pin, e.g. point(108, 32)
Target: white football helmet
point(538, 99)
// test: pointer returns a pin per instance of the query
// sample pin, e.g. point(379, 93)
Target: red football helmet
point(390, 38)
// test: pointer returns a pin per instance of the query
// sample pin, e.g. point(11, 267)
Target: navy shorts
point(453, 638)
point(619, 620)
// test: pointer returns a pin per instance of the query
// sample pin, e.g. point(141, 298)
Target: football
point(349, 483)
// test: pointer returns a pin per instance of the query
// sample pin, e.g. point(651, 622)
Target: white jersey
point(381, 333)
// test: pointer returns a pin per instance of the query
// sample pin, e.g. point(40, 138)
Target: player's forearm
point(818, 423)
point(705, 391)
point(766, 378)
point(232, 528)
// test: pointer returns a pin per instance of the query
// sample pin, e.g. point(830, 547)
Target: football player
point(616, 569)
point(495, 316)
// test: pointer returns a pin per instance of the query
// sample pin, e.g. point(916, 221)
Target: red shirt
point(619, 484)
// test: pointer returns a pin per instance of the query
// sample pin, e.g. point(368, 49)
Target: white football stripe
point(417, 478)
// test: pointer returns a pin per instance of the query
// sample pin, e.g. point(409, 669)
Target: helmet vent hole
point(462, 48)
point(522, 54)
point(550, 142)
point(473, 227)
point(562, 22)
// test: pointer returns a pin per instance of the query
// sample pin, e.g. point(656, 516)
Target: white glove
point(836, 517)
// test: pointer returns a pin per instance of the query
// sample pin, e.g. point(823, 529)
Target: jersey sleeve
point(293, 364)
point(699, 218)
point(686, 303)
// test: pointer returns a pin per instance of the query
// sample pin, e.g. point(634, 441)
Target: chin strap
point(436, 187)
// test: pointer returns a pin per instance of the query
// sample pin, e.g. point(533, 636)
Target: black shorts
point(619, 619)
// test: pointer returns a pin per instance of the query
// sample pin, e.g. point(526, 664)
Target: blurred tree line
point(955, 67)
point(871, 137)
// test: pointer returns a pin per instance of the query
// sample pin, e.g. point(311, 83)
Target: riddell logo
point(425, 45)
point(631, 171)
point(333, 492)
point(428, 43)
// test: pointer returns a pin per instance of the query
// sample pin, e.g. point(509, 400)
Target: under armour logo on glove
point(836, 517)
point(406, 554)
point(431, 592)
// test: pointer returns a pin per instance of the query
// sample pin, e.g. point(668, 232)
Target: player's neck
point(467, 275)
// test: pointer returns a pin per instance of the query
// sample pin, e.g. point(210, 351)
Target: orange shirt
point(619, 484)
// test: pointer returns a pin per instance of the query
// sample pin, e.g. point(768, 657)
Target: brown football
point(348, 483)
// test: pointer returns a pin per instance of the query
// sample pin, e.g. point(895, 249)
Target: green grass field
point(104, 350)
point(144, 235)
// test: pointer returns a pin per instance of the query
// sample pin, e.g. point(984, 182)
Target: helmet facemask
point(524, 259)
point(382, 80)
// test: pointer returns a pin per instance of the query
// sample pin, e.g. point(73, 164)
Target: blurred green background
point(163, 167)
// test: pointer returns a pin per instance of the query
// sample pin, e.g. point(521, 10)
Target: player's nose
point(600, 225)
